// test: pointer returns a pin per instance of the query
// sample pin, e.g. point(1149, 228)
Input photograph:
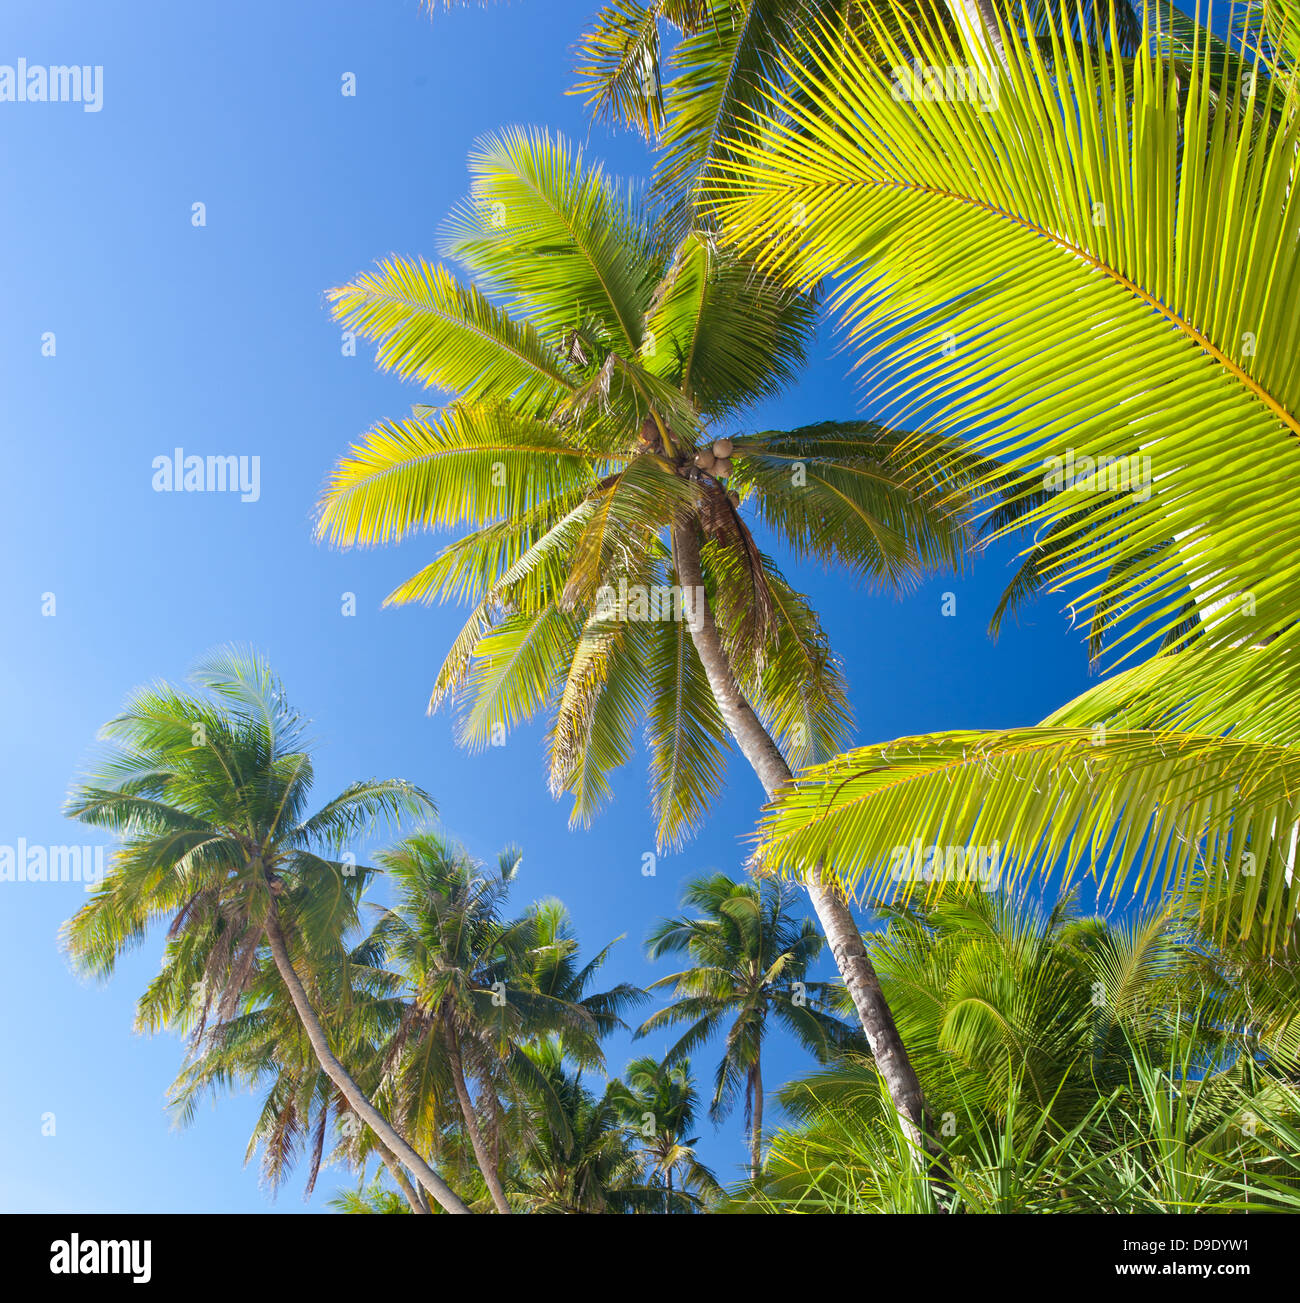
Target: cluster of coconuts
point(715, 461)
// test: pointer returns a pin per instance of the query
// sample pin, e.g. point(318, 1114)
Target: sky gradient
point(216, 339)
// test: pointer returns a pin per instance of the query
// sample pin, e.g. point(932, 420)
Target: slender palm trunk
point(398, 1173)
point(756, 1129)
point(340, 1076)
point(828, 901)
point(481, 1155)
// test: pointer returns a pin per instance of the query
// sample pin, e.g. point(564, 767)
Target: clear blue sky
point(216, 339)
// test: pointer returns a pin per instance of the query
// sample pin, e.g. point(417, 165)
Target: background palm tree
point(482, 987)
point(751, 959)
point(588, 1165)
point(658, 1102)
point(209, 795)
point(263, 1045)
point(584, 454)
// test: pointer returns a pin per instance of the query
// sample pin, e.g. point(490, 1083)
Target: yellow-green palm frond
point(798, 688)
point(723, 333)
point(628, 513)
point(851, 493)
point(1079, 262)
point(620, 68)
point(720, 68)
point(685, 733)
point(1136, 809)
point(484, 560)
point(473, 464)
point(556, 237)
point(513, 674)
point(602, 699)
point(431, 328)
point(532, 583)
point(1271, 29)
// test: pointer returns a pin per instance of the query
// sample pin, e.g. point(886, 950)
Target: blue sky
point(216, 339)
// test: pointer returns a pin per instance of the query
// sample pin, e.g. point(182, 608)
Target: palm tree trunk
point(828, 901)
point(398, 1174)
point(340, 1076)
point(756, 1130)
point(481, 1155)
point(978, 19)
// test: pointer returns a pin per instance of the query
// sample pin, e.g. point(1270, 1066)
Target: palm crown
point(581, 433)
point(209, 794)
point(751, 960)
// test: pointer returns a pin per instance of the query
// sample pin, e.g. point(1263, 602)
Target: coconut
point(722, 447)
point(704, 459)
point(722, 467)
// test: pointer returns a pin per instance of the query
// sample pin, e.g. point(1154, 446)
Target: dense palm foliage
point(480, 990)
point(658, 1101)
point(1090, 261)
point(1079, 1066)
point(609, 558)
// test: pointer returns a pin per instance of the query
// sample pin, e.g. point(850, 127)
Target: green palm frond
point(430, 328)
point(471, 465)
point(1138, 810)
point(1154, 255)
point(546, 229)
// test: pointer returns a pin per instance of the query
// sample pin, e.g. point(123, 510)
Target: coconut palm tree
point(481, 987)
point(588, 1165)
point(552, 968)
point(1131, 307)
point(658, 1103)
point(263, 1045)
point(209, 794)
point(588, 462)
point(751, 960)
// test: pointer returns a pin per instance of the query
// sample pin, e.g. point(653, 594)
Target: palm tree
point(482, 987)
point(552, 968)
point(264, 1045)
point(209, 794)
point(613, 574)
point(587, 1165)
point(1129, 307)
point(658, 1103)
point(751, 960)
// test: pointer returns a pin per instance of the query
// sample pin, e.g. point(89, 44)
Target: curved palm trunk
point(340, 1076)
point(832, 910)
point(481, 1155)
point(756, 1129)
